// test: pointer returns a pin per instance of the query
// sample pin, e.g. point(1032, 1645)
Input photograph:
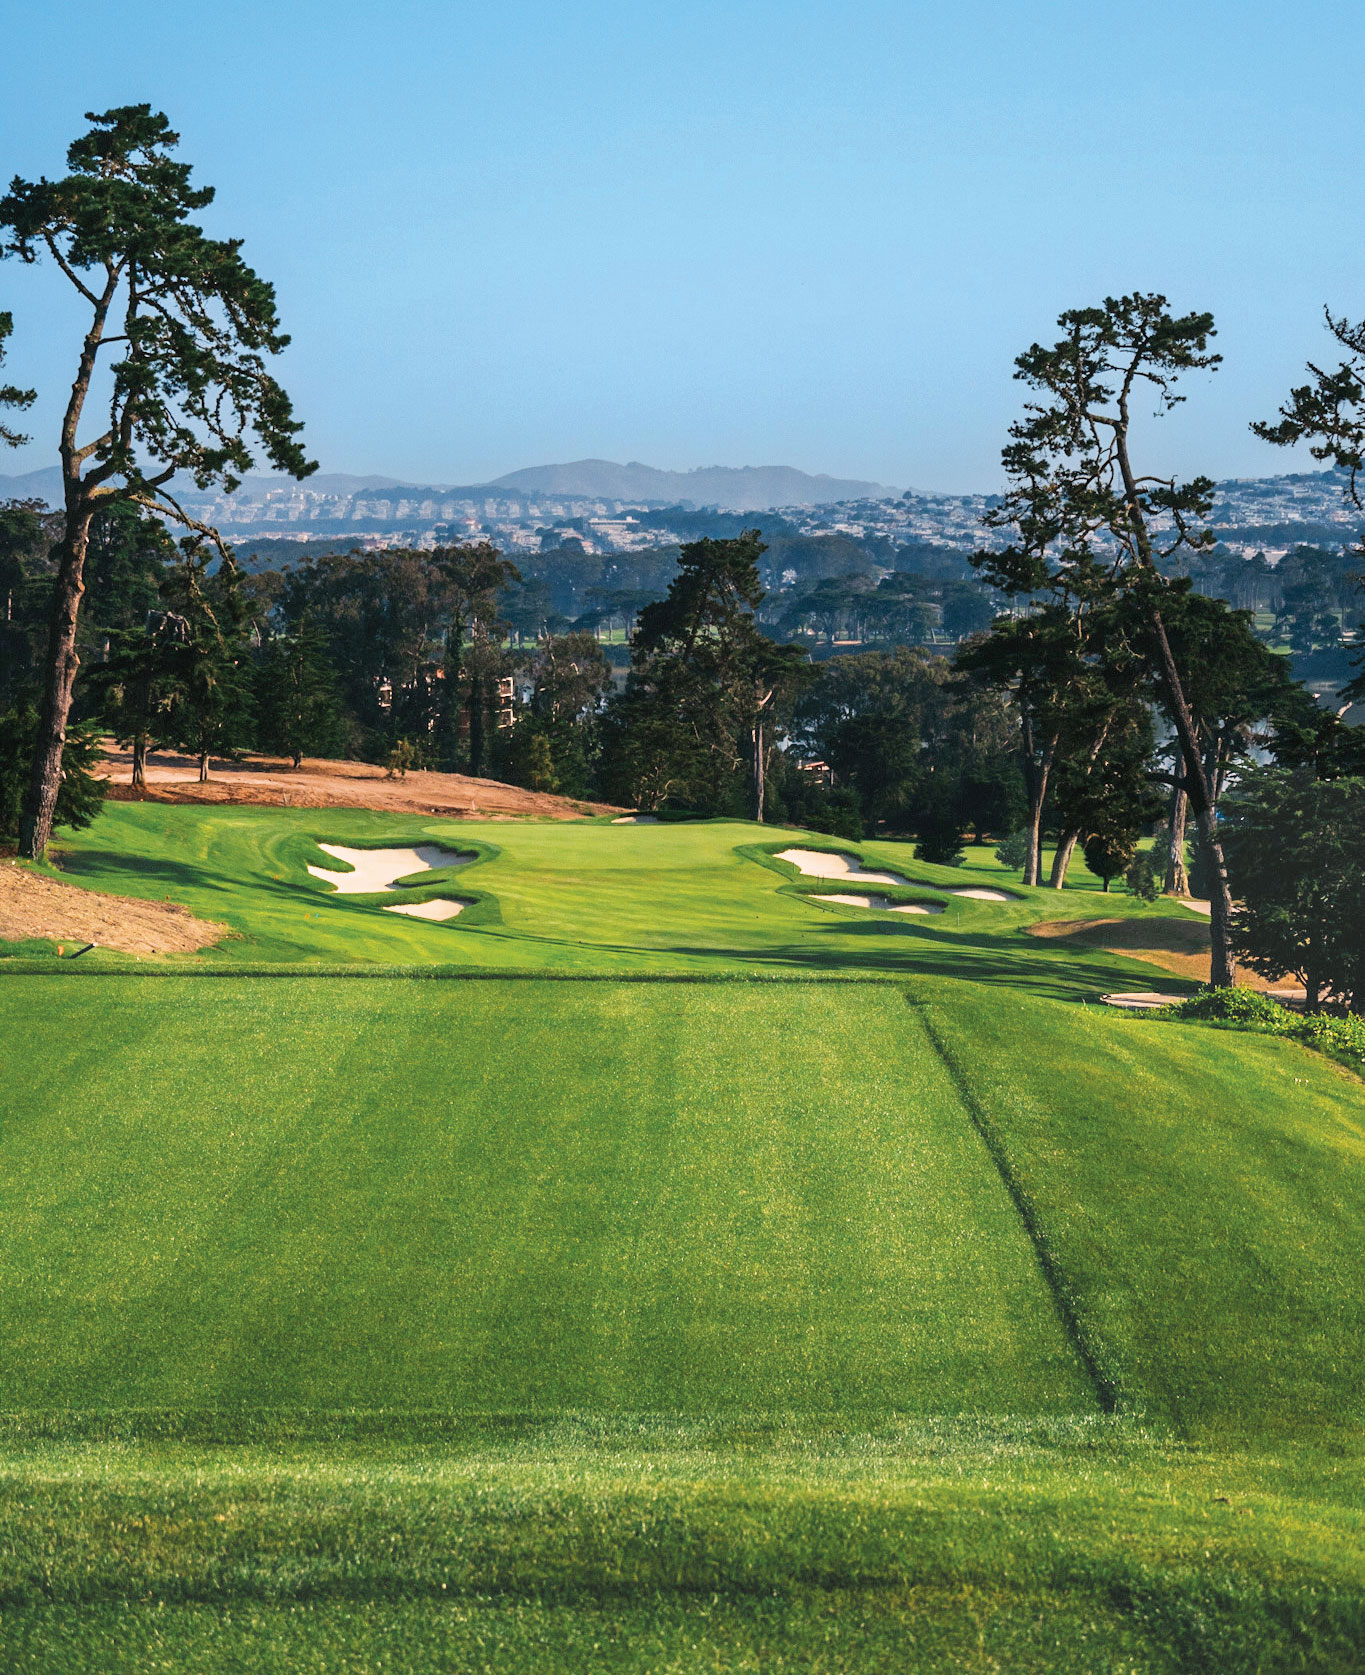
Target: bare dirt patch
point(33, 906)
point(1180, 946)
point(271, 782)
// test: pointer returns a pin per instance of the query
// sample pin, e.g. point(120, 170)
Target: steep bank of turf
point(1073, 1546)
point(700, 897)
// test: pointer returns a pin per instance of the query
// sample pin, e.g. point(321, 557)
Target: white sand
point(429, 909)
point(815, 863)
point(376, 869)
point(1141, 1000)
point(882, 905)
point(636, 820)
point(984, 895)
point(1204, 907)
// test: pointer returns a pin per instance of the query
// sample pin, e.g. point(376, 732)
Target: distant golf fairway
point(590, 896)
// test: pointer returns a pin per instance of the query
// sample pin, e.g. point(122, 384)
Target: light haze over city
point(740, 234)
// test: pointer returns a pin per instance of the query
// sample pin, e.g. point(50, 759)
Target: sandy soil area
point(378, 869)
point(272, 782)
point(1140, 1000)
point(32, 905)
point(1180, 946)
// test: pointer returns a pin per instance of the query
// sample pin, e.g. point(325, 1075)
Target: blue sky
point(742, 233)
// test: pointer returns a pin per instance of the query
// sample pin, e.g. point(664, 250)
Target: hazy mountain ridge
point(745, 488)
point(748, 488)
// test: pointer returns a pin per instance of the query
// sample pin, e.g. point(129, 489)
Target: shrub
point(1145, 874)
point(1340, 1037)
point(1012, 851)
point(81, 794)
point(1248, 1007)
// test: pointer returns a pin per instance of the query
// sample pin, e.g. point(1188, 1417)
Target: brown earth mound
point(33, 906)
point(272, 781)
point(1180, 946)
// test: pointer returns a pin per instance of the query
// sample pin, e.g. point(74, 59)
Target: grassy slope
point(455, 1196)
point(589, 896)
point(658, 1548)
point(1204, 1194)
point(303, 1193)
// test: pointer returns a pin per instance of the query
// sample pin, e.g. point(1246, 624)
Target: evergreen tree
point(693, 725)
point(1296, 849)
point(209, 676)
point(297, 706)
point(193, 324)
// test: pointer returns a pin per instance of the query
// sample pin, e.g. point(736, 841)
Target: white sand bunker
point(816, 863)
point(429, 909)
point(1197, 906)
point(883, 904)
point(636, 820)
point(378, 869)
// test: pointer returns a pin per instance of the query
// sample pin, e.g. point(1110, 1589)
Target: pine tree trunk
point(40, 803)
point(1066, 844)
point(1036, 774)
point(476, 727)
point(203, 767)
point(758, 777)
point(140, 760)
point(1177, 879)
point(1222, 969)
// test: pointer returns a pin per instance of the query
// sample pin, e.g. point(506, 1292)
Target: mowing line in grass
point(1089, 1352)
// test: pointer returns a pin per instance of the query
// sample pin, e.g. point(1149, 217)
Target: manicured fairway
point(504, 1197)
point(574, 896)
point(1203, 1192)
point(744, 1320)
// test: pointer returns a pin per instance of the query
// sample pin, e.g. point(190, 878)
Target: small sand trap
point(1141, 1000)
point(377, 869)
point(816, 863)
point(1204, 907)
point(881, 904)
point(429, 909)
point(636, 820)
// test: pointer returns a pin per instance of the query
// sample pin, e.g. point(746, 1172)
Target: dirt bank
point(272, 782)
point(1180, 946)
point(35, 906)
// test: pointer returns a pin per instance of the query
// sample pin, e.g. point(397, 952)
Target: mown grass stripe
point(1089, 1351)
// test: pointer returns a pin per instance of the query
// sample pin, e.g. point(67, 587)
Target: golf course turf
point(740, 1318)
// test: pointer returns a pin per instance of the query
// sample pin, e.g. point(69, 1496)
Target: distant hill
point(747, 488)
point(33, 485)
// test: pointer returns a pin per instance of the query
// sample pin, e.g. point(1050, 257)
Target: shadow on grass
point(95, 866)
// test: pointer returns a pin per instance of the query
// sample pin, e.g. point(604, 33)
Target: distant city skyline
point(745, 234)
